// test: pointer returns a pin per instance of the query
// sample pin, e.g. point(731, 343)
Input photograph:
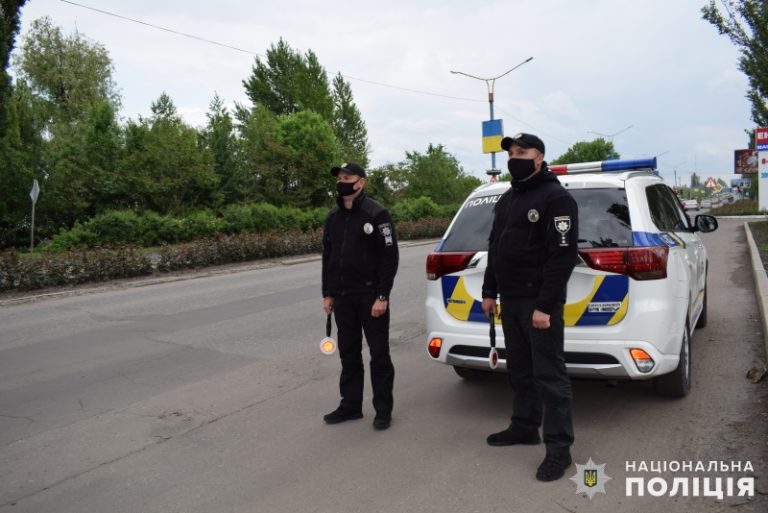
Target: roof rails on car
point(604, 166)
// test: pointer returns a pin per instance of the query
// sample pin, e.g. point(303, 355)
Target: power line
point(191, 36)
point(217, 43)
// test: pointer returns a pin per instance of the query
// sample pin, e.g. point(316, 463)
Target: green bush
point(412, 209)
point(202, 223)
point(155, 229)
point(78, 236)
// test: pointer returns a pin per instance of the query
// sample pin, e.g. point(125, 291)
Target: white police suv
point(633, 300)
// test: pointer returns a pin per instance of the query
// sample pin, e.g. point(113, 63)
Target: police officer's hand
point(328, 304)
point(379, 308)
point(540, 320)
point(489, 307)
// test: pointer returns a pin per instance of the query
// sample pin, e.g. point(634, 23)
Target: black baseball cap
point(524, 141)
point(349, 167)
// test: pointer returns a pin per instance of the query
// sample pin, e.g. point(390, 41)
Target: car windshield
point(603, 221)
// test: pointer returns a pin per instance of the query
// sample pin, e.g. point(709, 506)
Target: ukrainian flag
point(492, 134)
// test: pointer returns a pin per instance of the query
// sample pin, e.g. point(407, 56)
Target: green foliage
point(411, 209)
point(348, 123)
point(737, 208)
point(164, 168)
point(70, 72)
point(9, 27)
point(435, 174)
point(26, 272)
point(220, 139)
point(588, 151)
point(289, 82)
point(745, 22)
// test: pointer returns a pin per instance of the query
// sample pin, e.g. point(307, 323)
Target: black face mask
point(346, 188)
point(521, 169)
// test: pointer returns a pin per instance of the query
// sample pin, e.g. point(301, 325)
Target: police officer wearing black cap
point(360, 258)
point(532, 252)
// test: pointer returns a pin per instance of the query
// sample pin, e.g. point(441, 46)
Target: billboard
point(745, 162)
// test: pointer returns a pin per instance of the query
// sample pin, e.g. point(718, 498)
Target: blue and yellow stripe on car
point(657, 239)
point(604, 305)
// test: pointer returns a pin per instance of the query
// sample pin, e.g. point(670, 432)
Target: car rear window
point(603, 218)
point(603, 221)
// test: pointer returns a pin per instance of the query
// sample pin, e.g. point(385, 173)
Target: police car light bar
point(603, 166)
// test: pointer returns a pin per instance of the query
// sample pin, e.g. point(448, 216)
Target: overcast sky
point(598, 66)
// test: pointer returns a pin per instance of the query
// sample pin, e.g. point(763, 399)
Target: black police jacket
point(533, 246)
point(360, 253)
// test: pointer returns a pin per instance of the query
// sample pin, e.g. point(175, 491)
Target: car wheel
point(702, 322)
point(472, 374)
point(678, 382)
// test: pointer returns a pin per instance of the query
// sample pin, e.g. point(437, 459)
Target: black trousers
point(536, 368)
point(353, 317)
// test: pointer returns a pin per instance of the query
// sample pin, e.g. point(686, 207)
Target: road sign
point(710, 183)
point(35, 192)
point(761, 139)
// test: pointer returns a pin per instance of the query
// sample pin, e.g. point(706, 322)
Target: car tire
point(472, 374)
point(678, 382)
point(702, 322)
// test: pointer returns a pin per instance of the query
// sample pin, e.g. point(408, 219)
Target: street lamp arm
point(470, 76)
point(529, 59)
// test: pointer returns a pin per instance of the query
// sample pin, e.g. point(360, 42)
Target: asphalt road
point(206, 394)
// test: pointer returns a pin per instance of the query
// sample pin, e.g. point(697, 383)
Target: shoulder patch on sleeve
point(386, 231)
point(563, 226)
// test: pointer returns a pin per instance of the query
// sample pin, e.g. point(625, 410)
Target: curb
point(761, 283)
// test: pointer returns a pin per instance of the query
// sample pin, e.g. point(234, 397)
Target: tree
point(745, 22)
point(588, 151)
point(289, 82)
point(9, 27)
point(165, 168)
point(220, 139)
point(348, 123)
point(80, 162)
point(21, 152)
point(70, 72)
point(437, 175)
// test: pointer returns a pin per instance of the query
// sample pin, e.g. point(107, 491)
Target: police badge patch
point(563, 226)
point(386, 232)
point(368, 228)
point(533, 215)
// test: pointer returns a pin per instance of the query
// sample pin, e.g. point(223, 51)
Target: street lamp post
point(490, 83)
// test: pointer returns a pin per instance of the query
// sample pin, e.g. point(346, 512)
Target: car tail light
point(642, 359)
point(645, 263)
point(439, 264)
point(434, 347)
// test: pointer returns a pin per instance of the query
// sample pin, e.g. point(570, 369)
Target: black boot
point(553, 467)
point(514, 436)
point(340, 415)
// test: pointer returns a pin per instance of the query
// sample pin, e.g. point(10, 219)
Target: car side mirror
point(705, 224)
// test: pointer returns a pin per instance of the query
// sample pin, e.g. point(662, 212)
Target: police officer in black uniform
point(532, 252)
point(360, 258)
